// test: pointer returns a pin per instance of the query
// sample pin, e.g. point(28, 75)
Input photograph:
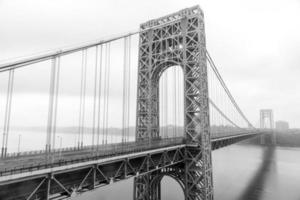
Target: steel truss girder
point(177, 39)
point(43, 189)
point(63, 184)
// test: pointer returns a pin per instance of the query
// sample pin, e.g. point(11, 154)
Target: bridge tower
point(267, 115)
point(176, 40)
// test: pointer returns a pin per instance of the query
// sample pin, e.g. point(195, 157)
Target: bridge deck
point(16, 164)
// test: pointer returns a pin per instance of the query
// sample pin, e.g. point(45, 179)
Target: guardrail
point(109, 150)
point(215, 134)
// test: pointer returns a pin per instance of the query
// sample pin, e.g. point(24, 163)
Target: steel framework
point(176, 40)
point(267, 114)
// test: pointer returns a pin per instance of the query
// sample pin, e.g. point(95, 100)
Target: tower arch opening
point(171, 189)
point(171, 102)
point(167, 185)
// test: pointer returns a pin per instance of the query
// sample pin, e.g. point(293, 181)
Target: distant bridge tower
point(267, 115)
point(176, 40)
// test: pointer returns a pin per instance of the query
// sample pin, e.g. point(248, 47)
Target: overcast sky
point(255, 43)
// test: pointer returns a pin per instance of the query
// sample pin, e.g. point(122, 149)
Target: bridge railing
point(215, 133)
point(222, 131)
point(87, 153)
point(113, 146)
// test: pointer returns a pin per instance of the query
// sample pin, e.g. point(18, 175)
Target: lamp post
point(19, 142)
point(60, 147)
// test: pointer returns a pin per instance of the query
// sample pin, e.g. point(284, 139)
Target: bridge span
point(73, 171)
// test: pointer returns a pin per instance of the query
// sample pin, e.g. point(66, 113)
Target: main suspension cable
point(213, 66)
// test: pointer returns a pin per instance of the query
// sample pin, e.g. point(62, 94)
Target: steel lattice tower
point(267, 114)
point(176, 40)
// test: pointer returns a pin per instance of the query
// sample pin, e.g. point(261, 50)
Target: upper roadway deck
point(18, 164)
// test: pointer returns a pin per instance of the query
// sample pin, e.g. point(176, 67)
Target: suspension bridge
point(157, 106)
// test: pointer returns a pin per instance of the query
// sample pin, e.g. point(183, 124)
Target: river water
point(240, 172)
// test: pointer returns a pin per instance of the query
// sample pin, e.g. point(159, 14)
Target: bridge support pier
point(268, 139)
point(274, 138)
point(262, 139)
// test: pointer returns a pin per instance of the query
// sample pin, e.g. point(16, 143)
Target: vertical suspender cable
point(126, 90)
point(107, 97)
point(82, 98)
point(211, 110)
point(80, 101)
point(106, 93)
point(100, 95)
point(124, 115)
point(128, 87)
point(226, 89)
point(84, 94)
point(179, 107)
point(55, 99)
point(209, 96)
point(9, 110)
point(104, 96)
point(166, 105)
point(50, 107)
point(215, 117)
point(95, 97)
point(221, 107)
point(161, 103)
point(175, 101)
point(7, 113)
point(177, 104)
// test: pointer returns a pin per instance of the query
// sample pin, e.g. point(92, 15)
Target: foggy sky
point(254, 43)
